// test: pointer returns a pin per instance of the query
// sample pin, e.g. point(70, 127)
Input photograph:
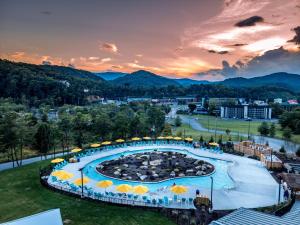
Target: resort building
point(246, 111)
point(263, 152)
point(218, 102)
point(252, 149)
point(249, 216)
point(186, 100)
point(271, 161)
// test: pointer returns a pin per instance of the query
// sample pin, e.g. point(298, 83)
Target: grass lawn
point(22, 194)
point(241, 126)
point(206, 135)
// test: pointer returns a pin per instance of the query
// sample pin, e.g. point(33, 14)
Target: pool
point(221, 178)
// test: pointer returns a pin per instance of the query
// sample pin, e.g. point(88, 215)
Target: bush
point(298, 152)
point(282, 149)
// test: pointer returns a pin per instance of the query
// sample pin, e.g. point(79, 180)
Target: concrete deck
point(254, 186)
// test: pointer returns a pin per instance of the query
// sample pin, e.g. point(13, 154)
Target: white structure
point(50, 217)
point(246, 111)
point(278, 100)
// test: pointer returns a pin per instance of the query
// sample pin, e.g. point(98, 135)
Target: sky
point(198, 39)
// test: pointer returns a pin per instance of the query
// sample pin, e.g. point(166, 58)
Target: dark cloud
point(296, 38)
point(110, 47)
point(238, 45)
point(218, 52)
point(251, 21)
point(45, 62)
point(46, 13)
point(273, 61)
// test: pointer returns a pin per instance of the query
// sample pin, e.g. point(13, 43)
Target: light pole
point(211, 191)
point(216, 128)
point(81, 172)
point(249, 129)
point(279, 193)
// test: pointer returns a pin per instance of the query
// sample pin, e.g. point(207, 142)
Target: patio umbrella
point(106, 143)
point(74, 150)
point(58, 160)
point(62, 175)
point(188, 139)
point(96, 145)
point(104, 183)
point(65, 176)
point(169, 137)
point(147, 138)
point(160, 137)
point(120, 140)
point(177, 138)
point(178, 189)
point(124, 188)
point(140, 189)
point(78, 181)
point(213, 144)
point(135, 139)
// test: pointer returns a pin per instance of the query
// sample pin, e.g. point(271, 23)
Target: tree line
point(77, 126)
point(34, 85)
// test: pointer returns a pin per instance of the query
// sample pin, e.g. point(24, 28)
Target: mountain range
point(144, 78)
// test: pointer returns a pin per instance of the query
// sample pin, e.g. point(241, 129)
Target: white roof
point(50, 217)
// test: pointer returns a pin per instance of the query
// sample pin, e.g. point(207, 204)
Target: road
point(273, 142)
point(9, 165)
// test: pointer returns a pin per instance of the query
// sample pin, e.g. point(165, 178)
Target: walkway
point(273, 142)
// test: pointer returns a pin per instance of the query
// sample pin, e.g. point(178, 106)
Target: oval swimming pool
point(220, 175)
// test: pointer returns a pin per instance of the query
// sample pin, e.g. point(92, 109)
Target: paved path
point(273, 142)
point(9, 165)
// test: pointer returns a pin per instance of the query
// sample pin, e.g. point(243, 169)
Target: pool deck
point(254, 185)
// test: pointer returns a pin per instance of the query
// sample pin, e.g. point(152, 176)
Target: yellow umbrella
point(58, 160)
point(147, 138)
point(120, 140)
point(106, 143)
point(160, 137)
point(80, 181)
point(66, 176)
point(177, 138)
point(96, 145)
point(169, 137)
point(135, 139)
point(178, 189)
point(140, 189)
point(124, 188)
point(104, 183)
point(189, 139)
point(62, 175)
point(76, 150)
point(213, 144)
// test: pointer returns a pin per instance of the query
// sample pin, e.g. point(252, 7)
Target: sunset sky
point(203, 39)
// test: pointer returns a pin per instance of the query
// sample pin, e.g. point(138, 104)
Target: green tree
point(80, 125)
point(298, 152)
point(43, 138)
point(167, 131)
point(272, 130)
point(211, 139)
point(227, 131)
point(282, 149)
point(263, 129)
point(192, 107)
point(65, 127)
point(178, 121)
point(287, 133)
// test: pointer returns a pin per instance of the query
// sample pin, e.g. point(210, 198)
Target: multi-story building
point(246, 111)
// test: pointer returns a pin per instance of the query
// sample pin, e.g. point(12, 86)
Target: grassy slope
point(238, 126)
point(206, 135)
point(21, 195)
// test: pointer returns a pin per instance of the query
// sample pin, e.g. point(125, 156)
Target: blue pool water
point(221, 177)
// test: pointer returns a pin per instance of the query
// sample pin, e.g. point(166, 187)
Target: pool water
point(220, 175)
